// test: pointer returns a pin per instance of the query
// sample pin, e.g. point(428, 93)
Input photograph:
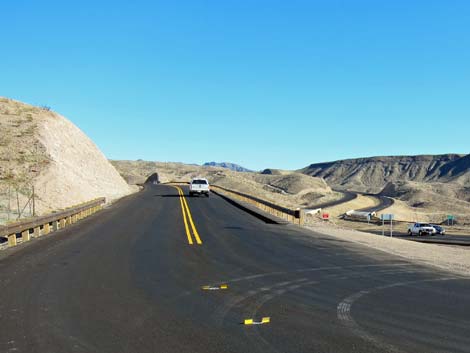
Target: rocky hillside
point(43, 149)
point(373, 174)
point(227, 165)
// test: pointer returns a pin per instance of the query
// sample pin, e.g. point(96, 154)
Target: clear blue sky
point(278, 84)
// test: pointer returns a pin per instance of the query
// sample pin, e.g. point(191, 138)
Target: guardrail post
point(46, 229)
point(37, 231)
point(302, 217)
point(12, 240)
point(25, 235)
point(68, 221)
point(62, 223)
point(55, 226)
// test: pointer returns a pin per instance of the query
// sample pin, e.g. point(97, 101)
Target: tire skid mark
point(220, 314)
point(345, 317)
point(309, 269)
point(254, 333)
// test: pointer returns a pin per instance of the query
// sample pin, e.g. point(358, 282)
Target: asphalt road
point(127, 280)
point(347, 196)
point(448, 239)
point(383, 203)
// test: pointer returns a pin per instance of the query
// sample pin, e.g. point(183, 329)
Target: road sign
point(387, 217)
point(450, 220)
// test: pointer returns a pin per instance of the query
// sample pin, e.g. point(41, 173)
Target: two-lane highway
point(130, 278)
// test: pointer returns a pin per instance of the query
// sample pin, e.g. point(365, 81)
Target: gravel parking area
point(452, 259)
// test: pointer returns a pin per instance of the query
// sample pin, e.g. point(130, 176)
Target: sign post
point(387, 217)
point(450, 220)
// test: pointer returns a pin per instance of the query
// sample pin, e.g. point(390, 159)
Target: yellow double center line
point(188, 219)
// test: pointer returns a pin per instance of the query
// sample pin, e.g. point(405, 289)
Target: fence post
point(302, 217)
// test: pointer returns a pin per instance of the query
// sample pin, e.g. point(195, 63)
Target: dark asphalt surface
point(384, 202)
point(448, 239)
point(126, 280)
point(347, 196)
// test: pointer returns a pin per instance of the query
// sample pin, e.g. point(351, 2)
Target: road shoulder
point(452, 259)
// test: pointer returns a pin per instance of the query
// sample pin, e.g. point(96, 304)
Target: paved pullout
point(126, 280)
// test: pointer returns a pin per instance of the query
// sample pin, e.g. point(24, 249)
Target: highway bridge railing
point(43, 225)
point(293, 216)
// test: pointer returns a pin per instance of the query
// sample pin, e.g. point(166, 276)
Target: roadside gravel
point(452, 259)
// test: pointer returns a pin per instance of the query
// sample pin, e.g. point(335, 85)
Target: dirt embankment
point(44, 150)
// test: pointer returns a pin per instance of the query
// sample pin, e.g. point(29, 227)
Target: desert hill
point(373, 174)
point(43, 149)
point(290, 189)
point(425, 188)
point(227, 165)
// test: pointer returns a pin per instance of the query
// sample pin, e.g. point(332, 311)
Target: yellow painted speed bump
point(264, 320)
point(222, 286)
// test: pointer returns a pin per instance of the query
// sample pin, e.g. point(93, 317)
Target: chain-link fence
point(16, 202)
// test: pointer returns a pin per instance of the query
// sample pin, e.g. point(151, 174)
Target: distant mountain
point(373, 174)
point(231, 166)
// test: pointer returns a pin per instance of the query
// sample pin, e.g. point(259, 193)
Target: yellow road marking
point(188, 234)
point(195, 233)
point(264, 320)
point(222, 286)
point(187, 215)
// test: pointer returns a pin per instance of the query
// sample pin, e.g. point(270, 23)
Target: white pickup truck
point(421, 229)
point(199, 186)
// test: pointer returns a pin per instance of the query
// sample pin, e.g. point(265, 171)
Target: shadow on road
point(167, 195)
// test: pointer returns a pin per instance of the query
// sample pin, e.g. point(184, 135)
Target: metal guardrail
point(292, 216)
point(52, 222)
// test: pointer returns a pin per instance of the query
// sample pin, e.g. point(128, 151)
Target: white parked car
point(199, 186)
point(421, 229)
